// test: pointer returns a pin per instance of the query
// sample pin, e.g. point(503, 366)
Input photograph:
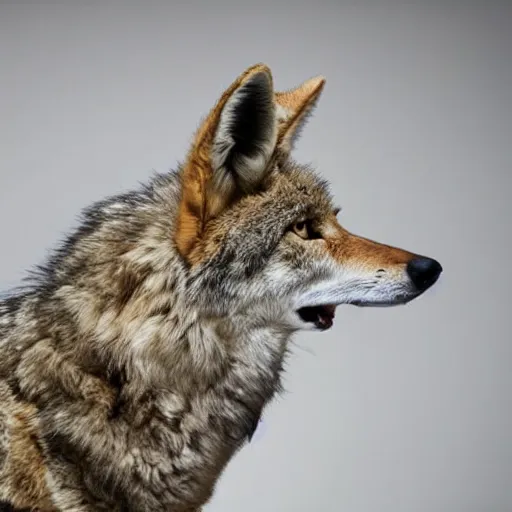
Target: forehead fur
point(290, 193)
point(303, 184)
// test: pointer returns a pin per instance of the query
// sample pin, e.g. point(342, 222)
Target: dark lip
point(399, 301)
point(364, 304)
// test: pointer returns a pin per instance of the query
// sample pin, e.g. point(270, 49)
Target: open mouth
point(321, 316)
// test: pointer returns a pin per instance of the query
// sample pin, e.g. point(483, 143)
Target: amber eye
point(305, 230)
point(301, 229)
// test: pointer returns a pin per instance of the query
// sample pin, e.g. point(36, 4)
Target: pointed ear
point(293, 109)
point(230, 155)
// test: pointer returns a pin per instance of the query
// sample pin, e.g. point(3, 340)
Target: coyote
point(138, 359)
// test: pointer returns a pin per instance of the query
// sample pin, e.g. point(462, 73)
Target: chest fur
point(162, 435)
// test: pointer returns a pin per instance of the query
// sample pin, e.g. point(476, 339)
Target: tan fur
point(22, 474)
point(351, 249)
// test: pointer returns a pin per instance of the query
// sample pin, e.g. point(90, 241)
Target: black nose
point(423, 272)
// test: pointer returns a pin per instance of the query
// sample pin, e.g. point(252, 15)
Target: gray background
point(399, 410)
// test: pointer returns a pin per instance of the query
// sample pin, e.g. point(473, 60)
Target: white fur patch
point(282, 113)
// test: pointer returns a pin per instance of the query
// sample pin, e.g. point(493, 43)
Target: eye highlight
point(305, 230)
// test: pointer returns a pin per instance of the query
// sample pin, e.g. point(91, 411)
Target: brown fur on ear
point(201, 198)
point(296, 105)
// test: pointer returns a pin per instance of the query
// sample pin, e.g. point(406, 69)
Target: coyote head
point(259, 231)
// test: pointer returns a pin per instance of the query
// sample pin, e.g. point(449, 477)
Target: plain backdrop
point(393, 410)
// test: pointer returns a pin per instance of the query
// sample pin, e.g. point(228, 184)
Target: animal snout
point(423, 272)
